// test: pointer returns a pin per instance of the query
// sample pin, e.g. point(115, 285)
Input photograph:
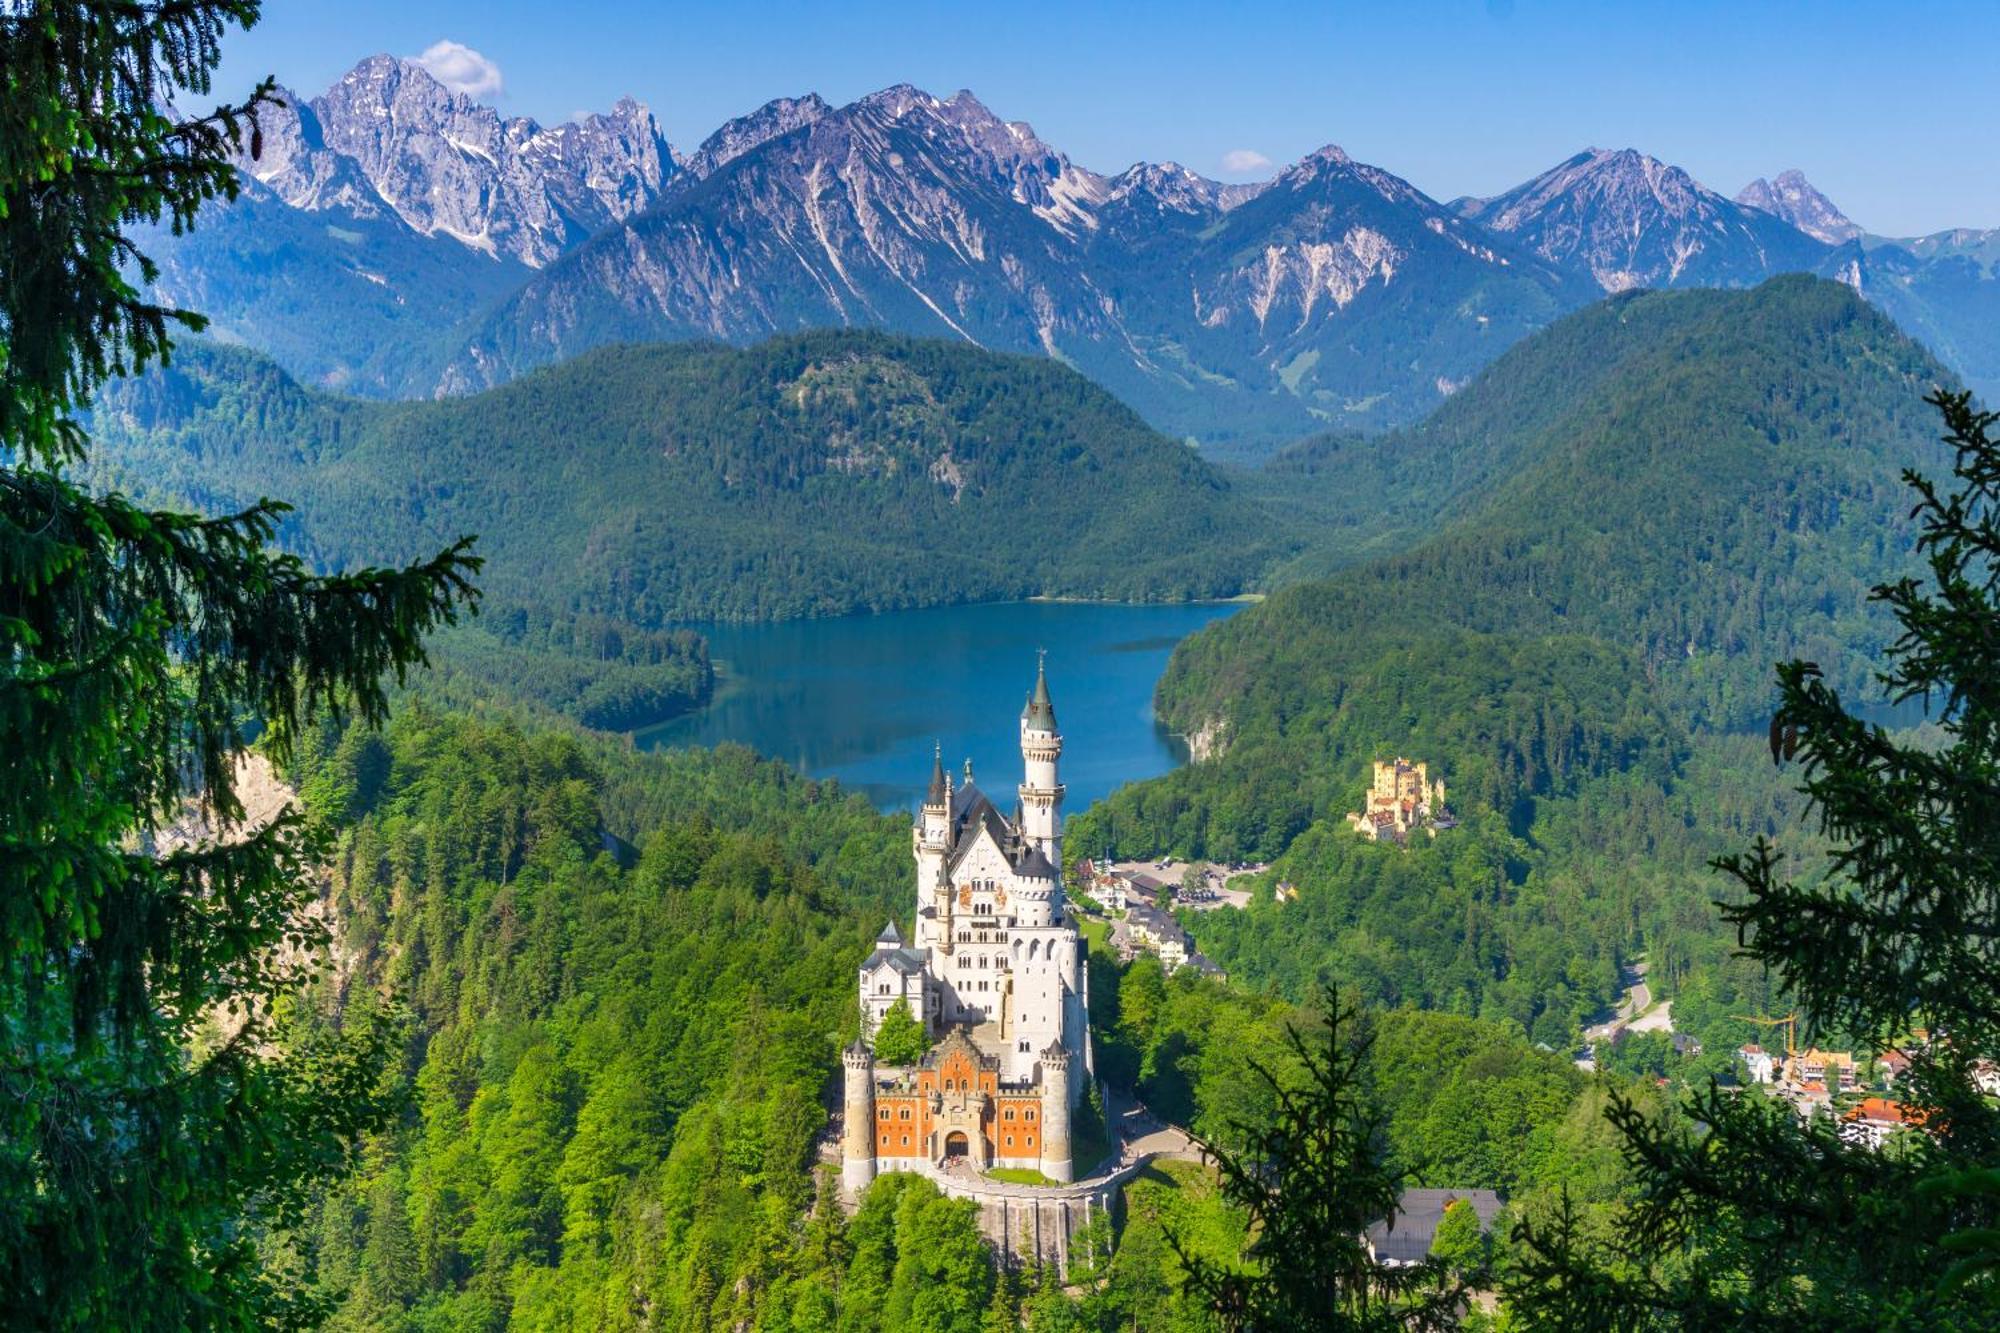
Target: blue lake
point(863, 698)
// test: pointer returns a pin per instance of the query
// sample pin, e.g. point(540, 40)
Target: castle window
point(906, 1113)
point(1010, 1116)
point(906, 1140)
point(885, 1113)
point(1028, 1115)
point(1010, 1140)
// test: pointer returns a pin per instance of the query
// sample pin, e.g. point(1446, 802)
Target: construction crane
point(1790, 1023)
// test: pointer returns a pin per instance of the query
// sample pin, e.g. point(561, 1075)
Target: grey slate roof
point(1153, 919)
point(1040, 712)
point(908, 962)
point(889, 949)
point(935, 796)
point(1418, 1213)
point(1034, 865)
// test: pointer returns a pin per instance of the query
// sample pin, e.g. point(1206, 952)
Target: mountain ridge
point(1332, 296)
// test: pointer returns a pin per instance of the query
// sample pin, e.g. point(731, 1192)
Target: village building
point(1401, 798)
point(1874, 1121)
point(995, 971)
point(1759, 1065)
point(1405, 1238)
point(1835, 1069)
point(1129, 889)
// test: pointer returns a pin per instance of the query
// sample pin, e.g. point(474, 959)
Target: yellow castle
point(1401, 798)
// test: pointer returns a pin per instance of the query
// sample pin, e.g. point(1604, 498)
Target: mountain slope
point(1944, 289)
point(1638, 510)
point(1633, 221)
point(1709, 479)
point(1337, 293)
point(1641, 508)
point(816, 474)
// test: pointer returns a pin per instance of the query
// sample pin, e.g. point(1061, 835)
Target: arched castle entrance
point(956, 1145)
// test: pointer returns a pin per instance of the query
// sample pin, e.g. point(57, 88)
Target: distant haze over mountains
point(398, 239)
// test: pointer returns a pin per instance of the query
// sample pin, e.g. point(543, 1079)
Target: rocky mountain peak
point(962, 129)
point(1169, 184)
point(777, 117)
point(1177, 188)
point(388, 138)
point(1793, 198)
point(1631, 220)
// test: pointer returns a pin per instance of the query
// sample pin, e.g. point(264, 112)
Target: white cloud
point(1241, 161)
point(461, 69)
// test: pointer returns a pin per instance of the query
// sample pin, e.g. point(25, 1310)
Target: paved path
point(1141, 1134)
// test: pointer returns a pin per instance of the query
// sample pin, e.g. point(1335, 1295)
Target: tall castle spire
point(1040, 712)
point(1041, 786)
point(935, 796)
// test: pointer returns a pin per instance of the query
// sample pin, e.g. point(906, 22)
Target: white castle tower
point(993, 952)
point(1041, 789)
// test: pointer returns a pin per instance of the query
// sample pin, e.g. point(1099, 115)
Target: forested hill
point(809, 475)
point(1597, 553)
point(615, 1075)
point(1709, 479)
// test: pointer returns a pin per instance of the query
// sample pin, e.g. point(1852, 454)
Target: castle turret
point(930, 839)
point(1041, 786)
point(1056, 1159)
point(857, 1135)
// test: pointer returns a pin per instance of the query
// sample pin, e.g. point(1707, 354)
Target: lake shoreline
point(864, 699)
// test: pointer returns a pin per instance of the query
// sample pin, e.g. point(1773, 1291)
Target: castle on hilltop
point(1401, 798)
point(996, 973)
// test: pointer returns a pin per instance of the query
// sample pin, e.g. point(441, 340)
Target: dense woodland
point(622, 982)
point(810, 475)
point(640, 489)
point(1593, 556)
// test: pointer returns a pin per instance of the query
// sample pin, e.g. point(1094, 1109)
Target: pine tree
point(1757, 1219)
point(391, 1272)
point(1312, 1181)
point(158, 1106)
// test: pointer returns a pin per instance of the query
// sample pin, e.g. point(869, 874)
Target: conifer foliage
point(1757, 1220)
point(157, 1105)
point(1312, 1179)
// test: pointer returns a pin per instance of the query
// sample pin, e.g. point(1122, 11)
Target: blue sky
point(1887, 107)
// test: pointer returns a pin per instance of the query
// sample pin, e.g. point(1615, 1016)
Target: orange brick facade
point(905, 1120)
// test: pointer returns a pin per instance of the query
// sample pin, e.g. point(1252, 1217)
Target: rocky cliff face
point(777, 117)
point(1630, 220)
point(390, 139)
point(1792, 198)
